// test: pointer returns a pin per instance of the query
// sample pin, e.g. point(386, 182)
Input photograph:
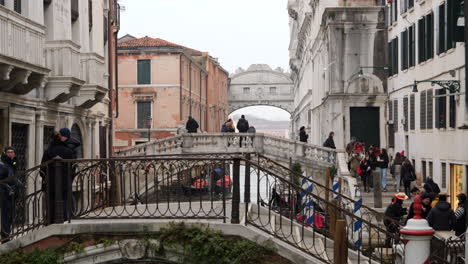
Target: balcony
point(65, 79)
point(22, 62)
point(94, 70)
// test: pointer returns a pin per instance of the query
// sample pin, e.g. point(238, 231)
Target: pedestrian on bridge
point(382, 163)
point(442, 217)
point(330, 143)
point(243, 127)
point(192, 125)
point(393, 215)
point(395, 170)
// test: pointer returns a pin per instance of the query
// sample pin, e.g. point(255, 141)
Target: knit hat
point(65, 132)
point(401, 196)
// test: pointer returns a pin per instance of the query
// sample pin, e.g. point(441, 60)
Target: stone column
point(39, 136)
point(417, 234)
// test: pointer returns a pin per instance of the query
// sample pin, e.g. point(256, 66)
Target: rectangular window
point(440, 109)
point(442, 31)
point(423, 170)
point(410, 4)
point(75, 11)
point(393, 56)
point(451, 20)
point(412, 112)
point(90, 14)
point(144, 71)
point(273, 90)
point(395, 115)
point(404, 50)
point(395, 11)
point(17, 6)
point(444, 174)
point(421, 40)
point(430, 111)
point(2, 2)
point(422, 105)
point(412, 46)
point(452, 112)
point(405, 112)
point(246, 90)
point(143, 113)
point(429, 41)
point(390, 110)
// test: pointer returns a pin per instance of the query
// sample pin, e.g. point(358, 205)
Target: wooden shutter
point(395, 114)
point(143, 112)
point(404, 49)
point(390, 110)
point(412, 112)
point(429, 42)
point(90, 14)
point(144, 71)
point(430, 111)
point(405, 112)
point(75, 13)
point(395, 53)
point(452, 17)
point(412, 46)
point(421, 40)
point(422, 105)
point(390, 57)
point(441, 37)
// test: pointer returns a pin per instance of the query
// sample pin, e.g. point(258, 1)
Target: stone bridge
point(260, 85)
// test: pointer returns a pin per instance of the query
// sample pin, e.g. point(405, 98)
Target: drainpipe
point(110, 137)
point(190, 88)
point(200, 110)
point(180, 88)
point(206, 103)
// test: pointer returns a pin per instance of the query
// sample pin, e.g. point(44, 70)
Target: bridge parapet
point(280, 149)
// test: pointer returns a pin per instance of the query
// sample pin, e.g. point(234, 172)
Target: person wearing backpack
point(243, 127)
point(407, 175)
point(8, 165)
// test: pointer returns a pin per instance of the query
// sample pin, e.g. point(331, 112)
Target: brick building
point(161, 84)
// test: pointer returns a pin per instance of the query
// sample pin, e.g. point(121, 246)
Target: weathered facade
point(337, 58)
point(53, 74)
point(260, 85)
point(428, 123)
point(161, 84)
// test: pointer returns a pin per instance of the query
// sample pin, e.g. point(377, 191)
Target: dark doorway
point(4, 128)
point(102, 142)
point(365, 125)
point(19, 140)
point(76, 134)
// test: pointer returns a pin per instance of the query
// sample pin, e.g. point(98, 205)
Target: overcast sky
point(237, 32)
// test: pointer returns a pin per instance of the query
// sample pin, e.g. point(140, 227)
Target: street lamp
point(452, 86)
point(148, 124)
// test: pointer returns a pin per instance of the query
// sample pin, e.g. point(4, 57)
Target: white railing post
point(258, 143)
point(417, 234)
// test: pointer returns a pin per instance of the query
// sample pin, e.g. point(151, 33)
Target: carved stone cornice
point(61, 89)
point(90, 95)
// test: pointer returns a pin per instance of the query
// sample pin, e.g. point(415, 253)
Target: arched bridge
point(260, 85)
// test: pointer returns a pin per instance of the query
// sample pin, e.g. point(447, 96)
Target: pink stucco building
point(161, 84)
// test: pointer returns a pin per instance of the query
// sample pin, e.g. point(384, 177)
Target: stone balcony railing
point(22, 62)
point(280, 149)
point(93, 70)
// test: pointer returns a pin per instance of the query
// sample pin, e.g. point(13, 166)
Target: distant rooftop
point(129, 41)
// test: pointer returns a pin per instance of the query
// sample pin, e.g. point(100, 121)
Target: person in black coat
point(426, 206)
point(407, 176)
point(431, 187)
point(330, 143)
point(303, 135)
point(442, 217)
point(192, 125)
point(366, 171)
point(57, 148)
point(394, 214)
point(243, 127)
point(382, 163)
point(70, 142)
point(8, 166)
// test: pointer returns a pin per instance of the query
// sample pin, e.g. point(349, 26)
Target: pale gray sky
point(237, 32)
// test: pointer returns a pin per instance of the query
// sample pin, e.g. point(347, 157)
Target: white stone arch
point(235, 107)
point(365, 84)
point(85, 135)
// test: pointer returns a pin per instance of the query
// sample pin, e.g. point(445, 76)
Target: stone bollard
point(377, 184)
point(417, 234)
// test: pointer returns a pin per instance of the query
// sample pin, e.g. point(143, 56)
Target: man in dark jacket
point(243, 127)
point(394, 213)
point(330, 143)
point(431, 187)
point(8, 165)
point(192, 125)
point(442, 217)
point(303, 135)
point(70, 142)
point(57, 148)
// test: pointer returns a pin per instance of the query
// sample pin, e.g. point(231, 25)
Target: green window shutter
point(405, 112)
point(421, 40)
point(143, 112)
point(395, 115)
point(441, 37)
point(144, 71)
point(453, 112)
point(412, 112)
point(430, 112)
point(429, 36)
point(422, 105)
point(412, 47)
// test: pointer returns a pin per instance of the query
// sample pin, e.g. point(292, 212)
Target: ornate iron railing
point(448, 251)
point(293, 208)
